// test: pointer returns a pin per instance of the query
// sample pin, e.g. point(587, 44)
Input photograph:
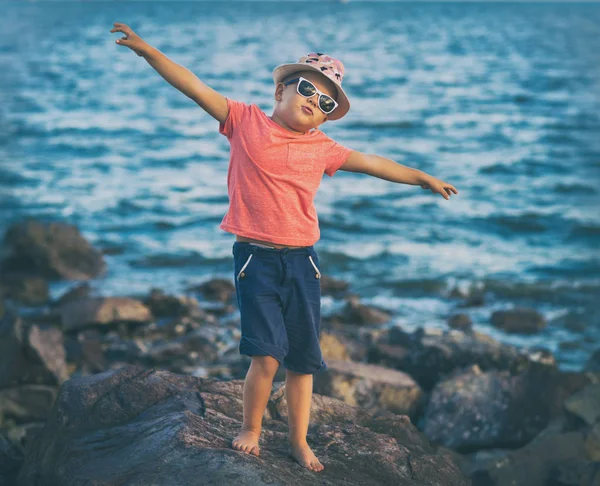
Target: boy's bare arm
point(214, 103)
point(387, 169)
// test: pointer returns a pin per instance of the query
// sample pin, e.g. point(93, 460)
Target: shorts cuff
point(321, 368)
point(254, 347)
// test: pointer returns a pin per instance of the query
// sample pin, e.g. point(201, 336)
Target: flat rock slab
point(140, 427)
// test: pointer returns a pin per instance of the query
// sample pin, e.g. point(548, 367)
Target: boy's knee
point(266, 365)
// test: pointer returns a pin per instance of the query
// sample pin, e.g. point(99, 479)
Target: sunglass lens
point(326, 104)
point(306, 89)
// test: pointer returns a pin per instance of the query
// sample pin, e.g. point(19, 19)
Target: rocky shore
point(147, 389)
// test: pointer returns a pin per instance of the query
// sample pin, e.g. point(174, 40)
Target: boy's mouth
point(306, 108)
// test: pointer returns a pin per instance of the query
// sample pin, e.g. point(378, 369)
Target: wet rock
point(86, 352)
point(163, 305)
point(170, 427)
point(358, 314)
point(26, 403)
point(332, 347)
point(558, 458)
point(593, 363)
point(30, 354)
point(79, 292)
point(586, 403)
point(217, 289)
point(495, 409)
point(431, 355)
point(334, 287)
point(102, 311)
point(519, 320)
point(11, 458)
point(25, 289)
point(52, 250)
point(461, 322)
point(369, 386)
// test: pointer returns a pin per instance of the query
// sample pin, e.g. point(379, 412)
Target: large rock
point(11, 458)
point(495, 409)
point(431, 355)
point(26, 289)
point(52, 250)
point(26, 403)
point(30, 354)
point(101, 311)
point(370, 386)
point(557, 458)
point(143, 427)
point(519, 320)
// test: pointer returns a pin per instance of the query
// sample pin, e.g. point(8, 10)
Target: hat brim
point(284, 70)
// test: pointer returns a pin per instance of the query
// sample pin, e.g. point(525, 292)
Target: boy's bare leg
point(257, 389)
point(298, 393)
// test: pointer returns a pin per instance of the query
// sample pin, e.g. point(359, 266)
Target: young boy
point(276, 167)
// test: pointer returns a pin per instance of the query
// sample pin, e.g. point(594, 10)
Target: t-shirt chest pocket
point(298, 159)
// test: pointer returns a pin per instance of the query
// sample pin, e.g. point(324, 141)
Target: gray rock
point(11, 458)
point(519, 320)
point(585, 403)
point(30, 354)
point(430, 356)
point(26, 403)
point(25, 289)
point(461, 322)
point(495, 409)
point(163, 305)
point(217, 289)
point(560, 458)
point(358, 314)
point(52, 250)
point(369, 386)
point(102, 311)
point(144, 427)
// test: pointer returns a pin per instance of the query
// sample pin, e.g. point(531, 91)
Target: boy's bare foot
point(247, 441)
point(305, 456)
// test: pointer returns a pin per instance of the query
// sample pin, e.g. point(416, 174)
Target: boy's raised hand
point(131, 39)
point(438, 186)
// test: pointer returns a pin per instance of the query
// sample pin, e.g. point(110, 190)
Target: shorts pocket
point(317, 272)
point(299, 159)
point(243, 271)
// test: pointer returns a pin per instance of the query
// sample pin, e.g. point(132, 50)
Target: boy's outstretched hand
point(131, 39)
point(438, 186)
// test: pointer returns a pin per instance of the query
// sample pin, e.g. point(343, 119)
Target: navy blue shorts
point(279, 297)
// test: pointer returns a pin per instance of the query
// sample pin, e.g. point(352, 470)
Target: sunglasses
point(305, 88)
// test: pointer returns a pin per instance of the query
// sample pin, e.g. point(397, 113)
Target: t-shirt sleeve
point(336, 154)
point(237, 110)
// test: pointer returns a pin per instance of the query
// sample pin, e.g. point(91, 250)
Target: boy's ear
point(279, 91)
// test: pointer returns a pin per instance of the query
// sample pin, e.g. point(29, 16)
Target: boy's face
point(290, 107)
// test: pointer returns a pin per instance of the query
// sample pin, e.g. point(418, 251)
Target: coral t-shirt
point(273, 177)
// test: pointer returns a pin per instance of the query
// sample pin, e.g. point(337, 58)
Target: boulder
point(586, 403)
point(163, 305)
point(102, 311)
point(25, 289)
point(369, 386)
point(30, 354)
point(53, 250)
point(358, 314)
point(476, 410)
point(519, 320)
point(431, 355)
point(26, 403)
point(461, 322)
point(11, 458)
point(217, 289)
point(559, 458)
point(143, 427)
